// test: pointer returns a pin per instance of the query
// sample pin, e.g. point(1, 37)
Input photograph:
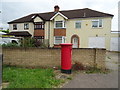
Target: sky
point(14, 9)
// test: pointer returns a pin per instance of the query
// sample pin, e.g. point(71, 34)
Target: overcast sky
point(13, 9)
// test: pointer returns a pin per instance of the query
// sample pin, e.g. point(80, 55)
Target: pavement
point(94, 81)
point(110, 80)
point(112, 60)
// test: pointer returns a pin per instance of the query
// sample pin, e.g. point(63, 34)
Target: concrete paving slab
point(112, 60)
point(94, 81)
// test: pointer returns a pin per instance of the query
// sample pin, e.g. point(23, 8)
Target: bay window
point(59, 39)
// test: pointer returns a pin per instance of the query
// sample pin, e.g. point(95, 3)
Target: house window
point(39, 40)
point(59, 39)
point(26, 26)
point(14, 26)
point(39, 25)
point(97, 23)
point(78, 24)
point(59, 24)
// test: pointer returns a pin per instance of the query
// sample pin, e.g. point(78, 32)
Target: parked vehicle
point(9, 40)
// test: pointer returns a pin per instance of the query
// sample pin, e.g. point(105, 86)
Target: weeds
point(87, 69)
point(78, 66)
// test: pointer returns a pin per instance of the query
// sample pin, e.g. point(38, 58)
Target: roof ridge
point(100, 12)
point(75, 9)
point(61, 11)
point(45, 12)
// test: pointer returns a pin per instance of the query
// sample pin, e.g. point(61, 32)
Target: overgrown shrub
point(27, 42)
point(37, 43)
point(41, 43)
point(32, 42)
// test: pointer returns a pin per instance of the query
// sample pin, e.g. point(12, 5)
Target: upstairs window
point(59, 24)
point(59, 39)
point(97, 23)
point(14, 26)
point(26, 26)
point(39, 25)
point(78, 24)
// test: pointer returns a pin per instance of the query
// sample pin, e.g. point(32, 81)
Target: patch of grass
point(29, 78)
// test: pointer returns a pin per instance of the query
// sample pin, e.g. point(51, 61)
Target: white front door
point(75, 42)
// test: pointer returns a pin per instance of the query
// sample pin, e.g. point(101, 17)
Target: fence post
point(95, 56)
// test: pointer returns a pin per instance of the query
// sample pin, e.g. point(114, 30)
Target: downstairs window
point(59, 39)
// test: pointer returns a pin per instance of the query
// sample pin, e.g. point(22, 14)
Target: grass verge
point(29, 78)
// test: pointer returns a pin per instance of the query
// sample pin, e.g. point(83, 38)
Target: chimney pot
point(56, 8)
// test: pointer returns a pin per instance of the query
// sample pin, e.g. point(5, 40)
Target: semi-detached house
point(85, 28)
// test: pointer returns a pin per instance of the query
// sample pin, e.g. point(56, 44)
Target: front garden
point(17, 77)
point(29, 78)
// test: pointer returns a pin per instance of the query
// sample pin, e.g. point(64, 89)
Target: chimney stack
point(56, 8)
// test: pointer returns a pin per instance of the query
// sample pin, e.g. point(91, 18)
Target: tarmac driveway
point(109, 80)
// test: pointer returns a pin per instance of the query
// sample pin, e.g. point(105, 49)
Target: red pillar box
point(66, 53)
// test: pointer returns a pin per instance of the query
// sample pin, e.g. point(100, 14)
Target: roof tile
point(71, 14)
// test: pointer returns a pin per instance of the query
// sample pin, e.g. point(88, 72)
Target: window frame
point(26, 27)
point(78, 22)
point(41, 25)
point(62, 37)
point(63, 24)
point(98, 23)
point(15, 26)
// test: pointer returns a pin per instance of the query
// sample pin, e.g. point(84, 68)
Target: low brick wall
point(36, 57)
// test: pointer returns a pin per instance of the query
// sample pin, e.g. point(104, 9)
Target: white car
point(9, 40)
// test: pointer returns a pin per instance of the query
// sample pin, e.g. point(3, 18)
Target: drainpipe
point(49, 34)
